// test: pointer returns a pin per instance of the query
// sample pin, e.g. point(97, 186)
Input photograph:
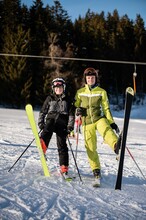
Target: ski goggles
point(57, 84)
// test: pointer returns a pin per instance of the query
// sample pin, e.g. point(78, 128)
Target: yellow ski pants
point(90, 138)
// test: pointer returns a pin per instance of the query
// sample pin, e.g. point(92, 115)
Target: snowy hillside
point(25, 194)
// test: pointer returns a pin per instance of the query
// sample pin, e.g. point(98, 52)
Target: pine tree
point(14, 66)
point(38, 20)
point(140, 39)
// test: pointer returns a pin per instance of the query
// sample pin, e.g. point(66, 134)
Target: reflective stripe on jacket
point(95, 102)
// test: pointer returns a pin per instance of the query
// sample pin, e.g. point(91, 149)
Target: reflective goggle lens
point(57, 84)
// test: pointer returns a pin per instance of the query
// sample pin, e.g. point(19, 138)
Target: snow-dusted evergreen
point(26, 194)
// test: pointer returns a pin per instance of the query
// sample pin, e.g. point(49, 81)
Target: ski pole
point(134, 160)
point(135, 163)
point(74, 159)
point(78, 121)
point(22, 154)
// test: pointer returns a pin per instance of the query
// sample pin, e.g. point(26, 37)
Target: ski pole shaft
point(77, 139)
point(22, 154)
point(74, 160)
point(77, 136)
point(135, 162)
point(134, 159)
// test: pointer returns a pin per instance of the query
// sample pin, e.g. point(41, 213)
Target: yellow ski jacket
point(95, 102)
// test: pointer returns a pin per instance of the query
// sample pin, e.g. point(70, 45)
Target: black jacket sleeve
point(43, 113)
point(71, 119)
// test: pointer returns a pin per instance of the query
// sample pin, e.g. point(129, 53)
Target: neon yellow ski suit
point(97, 117)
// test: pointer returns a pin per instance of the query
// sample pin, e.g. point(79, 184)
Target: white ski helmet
point(58, 82)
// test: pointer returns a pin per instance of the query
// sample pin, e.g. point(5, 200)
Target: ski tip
point(130, 91)
point(28, 106)
point(69, 179)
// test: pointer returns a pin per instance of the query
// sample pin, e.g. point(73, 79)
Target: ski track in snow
point(26, 194)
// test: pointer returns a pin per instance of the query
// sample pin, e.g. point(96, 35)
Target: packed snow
point(26, 194)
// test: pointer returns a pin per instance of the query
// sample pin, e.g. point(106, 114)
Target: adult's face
point(91, 80)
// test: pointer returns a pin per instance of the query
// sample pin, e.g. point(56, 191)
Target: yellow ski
point(30, 115)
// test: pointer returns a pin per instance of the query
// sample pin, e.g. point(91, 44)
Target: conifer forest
point(39, 43)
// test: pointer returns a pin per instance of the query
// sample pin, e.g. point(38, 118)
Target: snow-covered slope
point(26, 194)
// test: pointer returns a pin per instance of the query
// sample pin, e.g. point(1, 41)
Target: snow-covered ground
point(26, 194)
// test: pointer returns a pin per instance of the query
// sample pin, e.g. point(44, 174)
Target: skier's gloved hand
point(114, 126)
point(70, 129)
point(80, 111)
point(41, 126)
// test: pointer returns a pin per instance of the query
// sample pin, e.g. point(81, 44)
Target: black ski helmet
point(58, 82)
point(91, 72)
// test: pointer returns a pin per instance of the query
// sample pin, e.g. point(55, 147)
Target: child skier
point(57, 115)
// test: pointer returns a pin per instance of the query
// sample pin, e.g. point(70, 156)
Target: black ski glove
point(69, 129)
point(80, 111)
point(41, 126)
point(115, 127)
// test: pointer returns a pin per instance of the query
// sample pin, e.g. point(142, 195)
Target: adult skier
point(92, 105)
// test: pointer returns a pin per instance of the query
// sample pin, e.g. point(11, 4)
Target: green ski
point(30, 115)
